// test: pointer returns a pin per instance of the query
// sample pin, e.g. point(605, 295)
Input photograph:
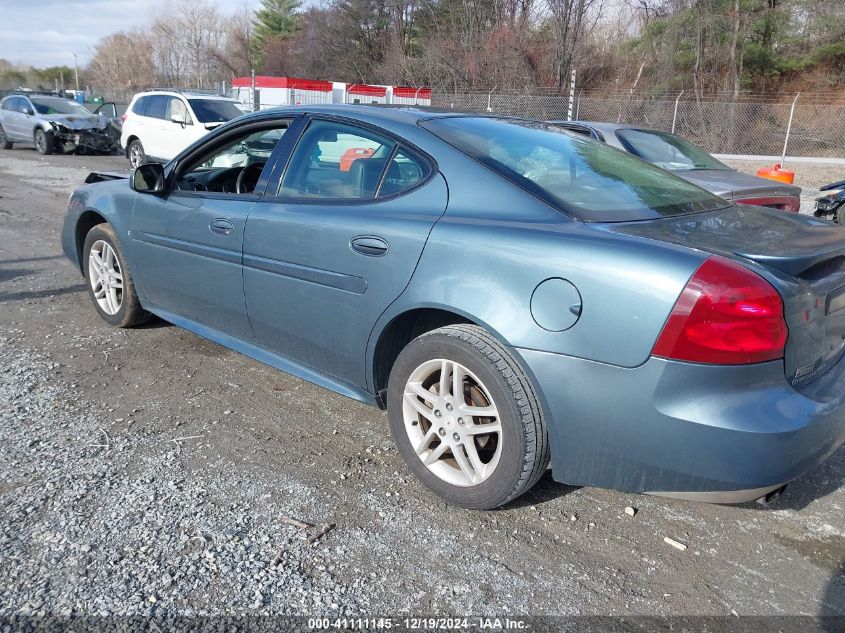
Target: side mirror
point(28, 111)
point(178, 117)
point(148, 178)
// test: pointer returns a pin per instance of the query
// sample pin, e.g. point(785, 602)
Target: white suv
point(159, 124)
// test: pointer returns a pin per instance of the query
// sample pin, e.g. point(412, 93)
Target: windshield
point(56, 105)
point(214, 110)
point(585, 178)
point(667, 150)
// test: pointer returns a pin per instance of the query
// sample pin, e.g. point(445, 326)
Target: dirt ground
point(150, 470)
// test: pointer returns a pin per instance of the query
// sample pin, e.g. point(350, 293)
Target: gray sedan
point(692, 163)
point(54, 124)
point(511, 293)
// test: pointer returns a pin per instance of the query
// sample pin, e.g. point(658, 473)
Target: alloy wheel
point(40, 142)
point(135, 155)
point(452, 422)
point(105, 277)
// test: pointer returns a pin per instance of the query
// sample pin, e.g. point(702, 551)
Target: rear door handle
point(369, 245)
point(221, 226)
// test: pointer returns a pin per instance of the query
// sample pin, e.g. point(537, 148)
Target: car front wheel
point(109, 280)
point(465, 417)
point(44, 142)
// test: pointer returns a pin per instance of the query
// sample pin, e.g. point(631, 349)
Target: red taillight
point(784, 203)
point(122, 118)
point(726, 315)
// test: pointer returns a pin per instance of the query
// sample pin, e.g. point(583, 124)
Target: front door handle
point(369, 245)
point(221, 227)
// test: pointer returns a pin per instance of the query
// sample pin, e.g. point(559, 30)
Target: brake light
point(784, 203)
point(726, 315)
point(122, 118)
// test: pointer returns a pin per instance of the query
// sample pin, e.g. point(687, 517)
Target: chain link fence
point(754, 127)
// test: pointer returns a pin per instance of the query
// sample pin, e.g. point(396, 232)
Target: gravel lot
point(150, 472)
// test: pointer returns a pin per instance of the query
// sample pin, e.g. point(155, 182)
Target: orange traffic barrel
point(353, 154)
point(777, 173)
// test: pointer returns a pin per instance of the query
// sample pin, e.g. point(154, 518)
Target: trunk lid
point(731, 184)
point(803, 257)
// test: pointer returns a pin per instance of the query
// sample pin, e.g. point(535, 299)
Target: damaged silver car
point(57, 125)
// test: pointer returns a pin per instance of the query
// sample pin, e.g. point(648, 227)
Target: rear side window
point(156, 106)
point(404, 172)
point(581, 176)
point(336, 161)
point(140, 105)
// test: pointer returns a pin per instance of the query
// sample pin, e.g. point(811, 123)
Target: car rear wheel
point(109, 280)
point(43, 142)
point(137, 157)
point(465, 417)
point(5, 143)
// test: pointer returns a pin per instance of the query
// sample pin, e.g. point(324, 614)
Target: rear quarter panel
point(496, 243)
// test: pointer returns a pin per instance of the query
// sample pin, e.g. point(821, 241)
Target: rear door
point(154, 130)
point(337, 244)
point(14, 119)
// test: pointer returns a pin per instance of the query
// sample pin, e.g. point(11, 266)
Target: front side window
point(214, 110)
point(667, 150)
point(583, 177)
point(336, 161)
point(234, 167)
point(57, 105)
point(176, 107)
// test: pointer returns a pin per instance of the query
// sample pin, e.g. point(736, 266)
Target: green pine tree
point(276, 18)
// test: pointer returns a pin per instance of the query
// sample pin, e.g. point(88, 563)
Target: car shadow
point(7, 274)
point(545, 490)
point(25, 260)
point(23, 295)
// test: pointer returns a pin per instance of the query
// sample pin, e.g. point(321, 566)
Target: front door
point(339, 241)
point(188, 243)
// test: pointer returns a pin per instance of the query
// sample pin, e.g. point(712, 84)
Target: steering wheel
point(248, 178)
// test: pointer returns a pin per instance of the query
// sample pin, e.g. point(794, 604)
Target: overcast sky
point(49, 32)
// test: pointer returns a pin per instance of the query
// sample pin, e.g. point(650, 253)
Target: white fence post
point(788, 130)
point(489, 97)
point(571, 96)
point(675, 114)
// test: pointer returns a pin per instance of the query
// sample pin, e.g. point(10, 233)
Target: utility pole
point(76, 74)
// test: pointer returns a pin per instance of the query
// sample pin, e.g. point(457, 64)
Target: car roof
point(182, 93)
point(373, 113)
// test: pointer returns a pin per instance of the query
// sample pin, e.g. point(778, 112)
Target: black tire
point(136, 149)
point(525, 450)
point(44, 142)
point(130, 313)
point(839, 215)
point(5, 143)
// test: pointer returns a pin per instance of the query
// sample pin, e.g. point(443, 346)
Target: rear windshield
point(214, 110)
point(585, 178)
point(667, 150)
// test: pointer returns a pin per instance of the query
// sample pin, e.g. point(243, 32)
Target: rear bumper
point(706, 433)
